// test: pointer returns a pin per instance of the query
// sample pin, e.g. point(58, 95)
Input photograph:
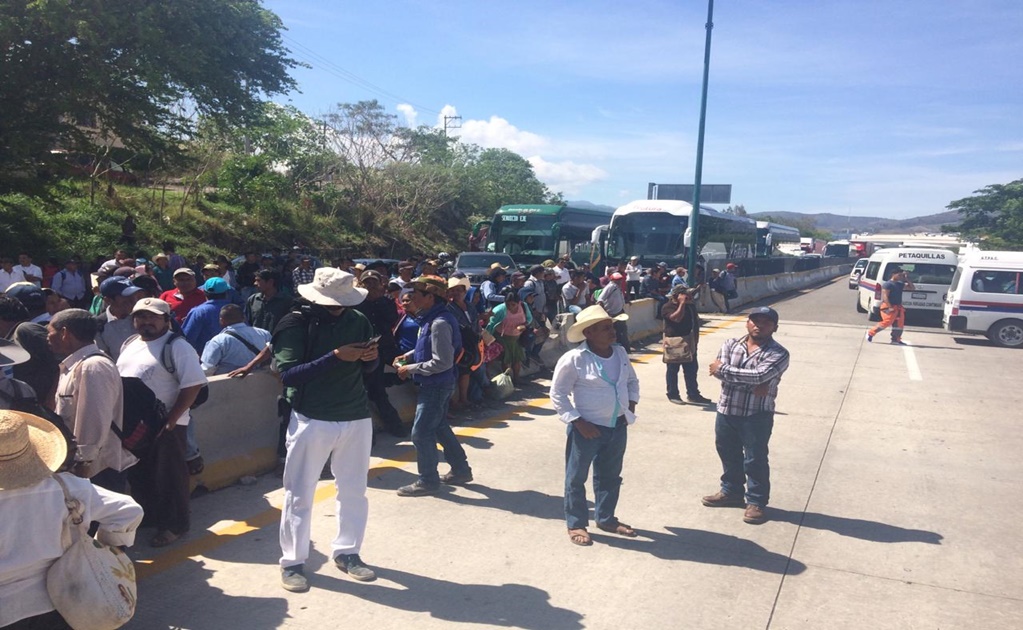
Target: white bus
point(986, 297)
point(930, 271)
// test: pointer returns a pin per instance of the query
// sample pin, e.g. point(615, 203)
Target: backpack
point(471, 354)
point(26, 402)
point(167, 360)
point(143, 419)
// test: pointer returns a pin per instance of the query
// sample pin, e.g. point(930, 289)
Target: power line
point(326, 65)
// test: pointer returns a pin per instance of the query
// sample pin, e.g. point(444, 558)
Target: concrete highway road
point(894, 472)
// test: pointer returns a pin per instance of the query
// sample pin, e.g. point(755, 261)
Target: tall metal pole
point(694, 225)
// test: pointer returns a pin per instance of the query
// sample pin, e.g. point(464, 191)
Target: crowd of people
point(82, 345)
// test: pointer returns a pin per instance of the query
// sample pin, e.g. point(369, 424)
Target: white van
point(930, 271)
point(986, 297)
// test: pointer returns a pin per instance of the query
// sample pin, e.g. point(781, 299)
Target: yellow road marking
point(226, 532)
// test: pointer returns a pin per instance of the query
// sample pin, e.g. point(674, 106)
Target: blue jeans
point(191, 445)
point(689, 371)
point(606, 454)
point(741, 442)
point(431, 426)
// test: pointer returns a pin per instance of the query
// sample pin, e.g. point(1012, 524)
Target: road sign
point(709, 193)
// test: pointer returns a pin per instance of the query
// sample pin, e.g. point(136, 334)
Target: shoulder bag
point(92, 585)
point(677, 349)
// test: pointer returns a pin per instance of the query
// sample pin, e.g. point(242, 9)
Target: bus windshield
point(648, 235)
point(530, 234)
point(929, 273)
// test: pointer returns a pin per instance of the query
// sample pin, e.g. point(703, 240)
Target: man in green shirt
point(268, 305)
point(322, 350)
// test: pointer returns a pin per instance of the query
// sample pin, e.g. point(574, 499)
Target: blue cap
point(216, 286)
point(765, 311)
point(113, 287)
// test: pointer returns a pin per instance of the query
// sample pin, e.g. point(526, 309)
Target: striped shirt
point(741, 372)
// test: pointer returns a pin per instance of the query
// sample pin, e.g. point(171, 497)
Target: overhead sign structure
point(709, 193)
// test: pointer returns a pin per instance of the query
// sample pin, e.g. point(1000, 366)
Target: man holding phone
point(431, 365)
point(322, 351)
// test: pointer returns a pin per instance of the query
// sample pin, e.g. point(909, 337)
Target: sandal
point(163, 538)
point(580, 537)
point(618, 527)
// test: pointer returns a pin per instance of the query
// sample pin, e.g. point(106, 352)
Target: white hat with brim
point(12, 354)
point(587, 317)
point(31, 449)
point(459, 282)
point(332, 287)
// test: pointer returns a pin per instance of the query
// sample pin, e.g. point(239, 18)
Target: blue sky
point(862, 107)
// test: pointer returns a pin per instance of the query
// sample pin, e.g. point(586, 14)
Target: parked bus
point(772, 235)
point(532, 234)
point(657, 230)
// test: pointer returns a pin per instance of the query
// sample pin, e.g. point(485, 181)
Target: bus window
point(929, 273)
point(1003, 282)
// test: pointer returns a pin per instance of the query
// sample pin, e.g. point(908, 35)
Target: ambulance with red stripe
point(930, 270)
point(986, 297)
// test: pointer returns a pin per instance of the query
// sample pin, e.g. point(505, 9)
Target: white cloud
point(499, 133)
point(567, 177)
point(410, 113)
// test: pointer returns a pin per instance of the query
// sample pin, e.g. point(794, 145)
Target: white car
point(857, 270)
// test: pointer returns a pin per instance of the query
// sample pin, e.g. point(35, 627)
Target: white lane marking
point(911, 365)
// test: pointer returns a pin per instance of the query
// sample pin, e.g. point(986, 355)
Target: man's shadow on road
point(856, 528)
point(501, 605)
point(696, 545)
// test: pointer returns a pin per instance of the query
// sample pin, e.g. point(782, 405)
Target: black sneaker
point(353, 565)
point(700, 400)
point(417, 489)
point(293, 579)
point(676, 399)
point(456, 479)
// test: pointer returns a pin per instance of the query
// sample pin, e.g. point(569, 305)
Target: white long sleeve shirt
point(30, 537)
point(595, 389)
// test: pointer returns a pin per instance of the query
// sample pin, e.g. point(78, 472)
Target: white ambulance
point(986, 297)
point(930, 270)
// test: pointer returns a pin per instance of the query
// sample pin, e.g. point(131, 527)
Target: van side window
point(990, 281)
point(871, 272)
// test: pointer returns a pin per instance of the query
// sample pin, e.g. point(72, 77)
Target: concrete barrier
point(237, 429)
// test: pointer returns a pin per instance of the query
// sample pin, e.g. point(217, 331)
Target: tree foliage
point(138, 73)
point(993, 216)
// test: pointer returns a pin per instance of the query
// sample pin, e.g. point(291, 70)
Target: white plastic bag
point(503, 385)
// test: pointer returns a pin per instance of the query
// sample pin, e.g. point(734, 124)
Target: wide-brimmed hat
point(12, 354)
point(587, 317)
point(431, 284)
point(31, 449)
point(332, 287)
point(459, 282)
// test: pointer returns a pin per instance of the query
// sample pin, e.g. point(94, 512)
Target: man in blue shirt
point(203, 321)
point(235, 345)
point(893, 313)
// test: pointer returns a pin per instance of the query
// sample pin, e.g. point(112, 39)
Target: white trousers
point(310, 444)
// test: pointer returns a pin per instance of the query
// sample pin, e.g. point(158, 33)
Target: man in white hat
point(594, 391)
point(31, 449)
point(160, 481)
point(322, 351)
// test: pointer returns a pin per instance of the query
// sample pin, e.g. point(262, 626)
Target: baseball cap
point(216, 286)
point(152, 305)
point(184, 270)
point(731, 266)
point(765, 311)
point(114, 287)
point(369, 274)
point(28, 294)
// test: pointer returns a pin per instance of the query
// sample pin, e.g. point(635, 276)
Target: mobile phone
point(372, 340)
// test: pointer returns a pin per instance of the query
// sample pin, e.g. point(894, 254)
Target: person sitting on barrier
point(612, 300)
point(507, 323)
point(574, 294)
point(235, 346)
point(650, 287)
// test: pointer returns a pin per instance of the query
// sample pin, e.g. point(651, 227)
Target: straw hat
point(31, 449)
point(459, 282)
point(431, 284)
point(587, 317)
point(332, 287)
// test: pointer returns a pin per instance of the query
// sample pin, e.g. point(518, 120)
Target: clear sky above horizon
point(861, 107)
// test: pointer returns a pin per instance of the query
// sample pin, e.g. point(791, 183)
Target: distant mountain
point(842, 224)
point(590, 206)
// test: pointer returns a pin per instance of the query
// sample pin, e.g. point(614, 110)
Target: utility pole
point(452, 122)
point(694, 224)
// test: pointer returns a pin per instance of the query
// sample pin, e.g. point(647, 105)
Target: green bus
point(532, 233)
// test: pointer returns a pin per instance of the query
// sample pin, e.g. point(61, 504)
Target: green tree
point(993, 216)
point(86, 74)
point(496, 177)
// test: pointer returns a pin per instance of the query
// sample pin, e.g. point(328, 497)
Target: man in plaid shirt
point(750, 369)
